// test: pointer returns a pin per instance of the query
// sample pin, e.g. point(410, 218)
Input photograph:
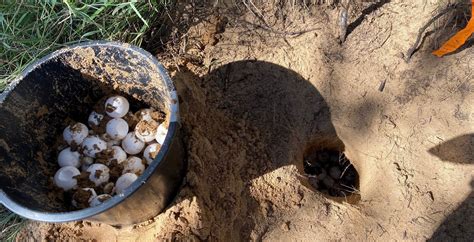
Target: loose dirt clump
point(82, 180)
point(81, 198)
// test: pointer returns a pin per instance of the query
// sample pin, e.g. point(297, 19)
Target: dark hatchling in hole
point(331, 173)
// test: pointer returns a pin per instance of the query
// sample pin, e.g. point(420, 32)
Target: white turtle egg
point(116, 106)
point(145, 114)
point(105, 137)
point(75, 134)
point(109, 188)
point(64, 177)
point(150, 152)
point(124, 181)
point(146, 130)
point(118, 154)
point(161, 133)
point(84, 167)
point(99, 173)
point(132, 145)
point(86, 162)
point(92, 192)
point(95, 119)
point(98, 200)
point(117, 128)
point(133, 165)
point(69, 158)
point(112, 143)
point(93, 145)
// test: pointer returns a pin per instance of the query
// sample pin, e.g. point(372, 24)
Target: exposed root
point(416, 46)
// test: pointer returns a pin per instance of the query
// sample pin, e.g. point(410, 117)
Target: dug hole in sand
point(254, 99)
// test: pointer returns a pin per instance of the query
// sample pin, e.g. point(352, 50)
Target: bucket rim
point(174, 125)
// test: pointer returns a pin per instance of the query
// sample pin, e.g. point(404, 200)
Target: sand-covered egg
point(98, 200)
point(150, 152)
point(109, 187)
point(146, 130)
point(67, 157)
point(117, 154)
point(117, 128)
point(133, 165)
point(124, 181)
point(105, 137)
point(132, 145)
point(82, 197)
point(145, 114)
point(75, 134)
point(161, 132)
point(86, 162)
point(95, 118)
point(117, 106)
point(93, 145)
point(112, 143)
point(65, 177)
point(99, 174)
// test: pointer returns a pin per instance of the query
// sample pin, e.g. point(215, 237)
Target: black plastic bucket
point(64, 84)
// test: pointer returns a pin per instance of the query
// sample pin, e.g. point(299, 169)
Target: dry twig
point(251, 6)
point(415, 46)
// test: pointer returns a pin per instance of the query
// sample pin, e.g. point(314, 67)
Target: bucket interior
point(60, 90)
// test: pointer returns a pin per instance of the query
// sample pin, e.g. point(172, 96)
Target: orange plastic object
point(458, 39)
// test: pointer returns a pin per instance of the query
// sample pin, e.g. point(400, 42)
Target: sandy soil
point(253, 100)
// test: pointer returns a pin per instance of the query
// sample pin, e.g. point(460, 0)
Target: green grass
point(32, 29)
point(10, 225)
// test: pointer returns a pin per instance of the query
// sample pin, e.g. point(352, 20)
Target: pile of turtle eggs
point(105, 158)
